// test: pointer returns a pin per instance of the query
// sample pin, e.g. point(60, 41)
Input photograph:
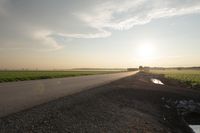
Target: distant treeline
point(132, 69)
point(146, 68)
point(73, 69)
point(178, 68)
point(100, 69)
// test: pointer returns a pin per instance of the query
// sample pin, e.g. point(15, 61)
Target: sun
point(146, 51)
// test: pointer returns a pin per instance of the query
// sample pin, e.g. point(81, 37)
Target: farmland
point(8, 76)
point(190, 77)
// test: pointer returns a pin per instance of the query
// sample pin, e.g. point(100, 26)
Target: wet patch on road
point(157, 81)
point(195, 128)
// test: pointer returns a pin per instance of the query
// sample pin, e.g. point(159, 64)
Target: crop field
point(190, 77)
point(8, 76)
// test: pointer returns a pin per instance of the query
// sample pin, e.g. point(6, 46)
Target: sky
point(63, 34)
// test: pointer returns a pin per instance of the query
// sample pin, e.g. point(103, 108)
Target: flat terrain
point(188, 77)
point(8, 76)
point(17, 96)
point(129, 105)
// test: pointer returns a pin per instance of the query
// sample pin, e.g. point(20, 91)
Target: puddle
point(157, 81)
point(195, 128)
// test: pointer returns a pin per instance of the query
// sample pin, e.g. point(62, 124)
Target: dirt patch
point(133, 104)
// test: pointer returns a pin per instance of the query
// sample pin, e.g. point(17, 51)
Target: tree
point(140, 68)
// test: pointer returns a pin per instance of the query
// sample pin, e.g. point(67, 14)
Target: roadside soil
point(130, 105)
point(177, 83)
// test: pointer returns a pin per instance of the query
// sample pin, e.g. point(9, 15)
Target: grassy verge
point(9, 76)
point(190, 77)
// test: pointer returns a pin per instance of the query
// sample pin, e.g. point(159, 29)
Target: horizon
point(64, 34)
point(79, 69)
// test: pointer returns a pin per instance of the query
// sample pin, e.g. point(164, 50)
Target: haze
point(62, 34)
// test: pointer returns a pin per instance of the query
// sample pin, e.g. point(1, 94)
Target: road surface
point(130, 105)
point(17, 96)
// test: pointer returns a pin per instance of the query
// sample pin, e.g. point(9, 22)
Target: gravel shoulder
point(132, 104)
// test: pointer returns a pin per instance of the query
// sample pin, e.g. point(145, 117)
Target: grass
point(9, 76)
point(190, 77)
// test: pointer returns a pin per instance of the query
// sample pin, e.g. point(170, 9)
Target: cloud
point(101, 34)
point(43, 22)
point(118, 15)
point(124, 15)
point(45, 38)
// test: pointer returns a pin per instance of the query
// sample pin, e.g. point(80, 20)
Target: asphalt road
point(17, 96)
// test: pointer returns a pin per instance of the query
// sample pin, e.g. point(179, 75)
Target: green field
point(190, 77)
point(8, 76)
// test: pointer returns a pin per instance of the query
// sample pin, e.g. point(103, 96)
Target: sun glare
point(146, 51)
